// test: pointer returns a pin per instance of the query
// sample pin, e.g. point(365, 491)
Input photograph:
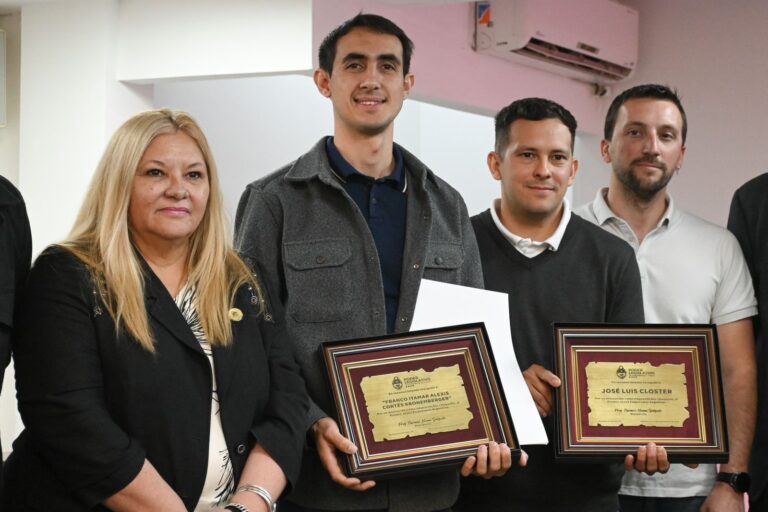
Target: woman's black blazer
point(95, 404)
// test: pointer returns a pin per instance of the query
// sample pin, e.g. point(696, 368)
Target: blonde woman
point(152, 372)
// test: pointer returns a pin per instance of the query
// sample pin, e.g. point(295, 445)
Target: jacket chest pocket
point(443, 261)
point(318, 277)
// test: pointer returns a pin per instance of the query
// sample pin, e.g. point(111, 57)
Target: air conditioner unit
point(590, 40)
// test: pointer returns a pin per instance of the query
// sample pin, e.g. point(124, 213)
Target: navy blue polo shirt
point(383, 205)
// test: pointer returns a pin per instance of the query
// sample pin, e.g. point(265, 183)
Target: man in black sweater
point(748, 220)
point(556, 268)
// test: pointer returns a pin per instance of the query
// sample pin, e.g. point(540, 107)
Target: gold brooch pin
point(235, 315)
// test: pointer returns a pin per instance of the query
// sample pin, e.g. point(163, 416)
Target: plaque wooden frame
point(349, 361)
point(701, 437)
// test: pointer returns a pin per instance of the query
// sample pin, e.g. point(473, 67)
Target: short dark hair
point(372, 22)
point(655, 91)
point(530, 109)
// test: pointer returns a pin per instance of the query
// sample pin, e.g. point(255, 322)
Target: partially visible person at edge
point(692, 272)
point(748, 220)
point(561, 269)
point(345, 235)
point(153, 372)
point(15, 257)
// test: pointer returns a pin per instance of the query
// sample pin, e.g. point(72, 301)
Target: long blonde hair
point(101, 237)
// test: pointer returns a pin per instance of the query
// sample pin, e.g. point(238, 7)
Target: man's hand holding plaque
point(492, 460)
point(328, 440)
point(649, 459)
point(541, 382)
point(487, 464)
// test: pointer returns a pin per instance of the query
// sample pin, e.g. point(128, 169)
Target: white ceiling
point(406, 2)
point(9, 6)
point(19, 3)
point(15, 4)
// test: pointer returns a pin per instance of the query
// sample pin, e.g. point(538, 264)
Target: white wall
point(593, 172)
point(9, 134)
point(253, 132)
point(188, 38)
point(256, 125)
point(66, 49)
point(74, 51)
point(455, 144)
point(713, 53)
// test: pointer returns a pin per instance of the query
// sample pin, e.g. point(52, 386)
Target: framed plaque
point(417, 401)
point(625, 386)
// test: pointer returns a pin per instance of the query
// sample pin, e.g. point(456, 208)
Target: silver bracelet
point(257, 489)
point(236, 507)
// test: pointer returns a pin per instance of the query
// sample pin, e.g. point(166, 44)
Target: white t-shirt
point(219, 477)
point(692, 272)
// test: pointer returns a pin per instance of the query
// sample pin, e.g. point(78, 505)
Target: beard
point(644, 189)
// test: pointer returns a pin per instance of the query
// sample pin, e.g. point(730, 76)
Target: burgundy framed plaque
point(627, 385)
point(417, 401)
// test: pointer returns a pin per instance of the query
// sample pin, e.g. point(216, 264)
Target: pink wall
point(713, 52)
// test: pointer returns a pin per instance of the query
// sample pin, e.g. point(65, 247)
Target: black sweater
point(592, 277)
point(748, 220)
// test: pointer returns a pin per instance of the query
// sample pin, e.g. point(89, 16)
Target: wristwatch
point(739, 481)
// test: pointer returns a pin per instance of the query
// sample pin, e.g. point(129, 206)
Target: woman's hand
point(148, 491)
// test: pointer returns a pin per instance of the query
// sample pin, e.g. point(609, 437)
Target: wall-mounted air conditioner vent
point(591, 40)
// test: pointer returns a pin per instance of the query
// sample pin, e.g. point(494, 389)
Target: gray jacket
point(315, 250)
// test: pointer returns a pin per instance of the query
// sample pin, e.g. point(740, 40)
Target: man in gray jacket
point(344, 235)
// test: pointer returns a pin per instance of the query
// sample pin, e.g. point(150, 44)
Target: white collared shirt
point(525, 246)
point(692, 272)
point(598, 212)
